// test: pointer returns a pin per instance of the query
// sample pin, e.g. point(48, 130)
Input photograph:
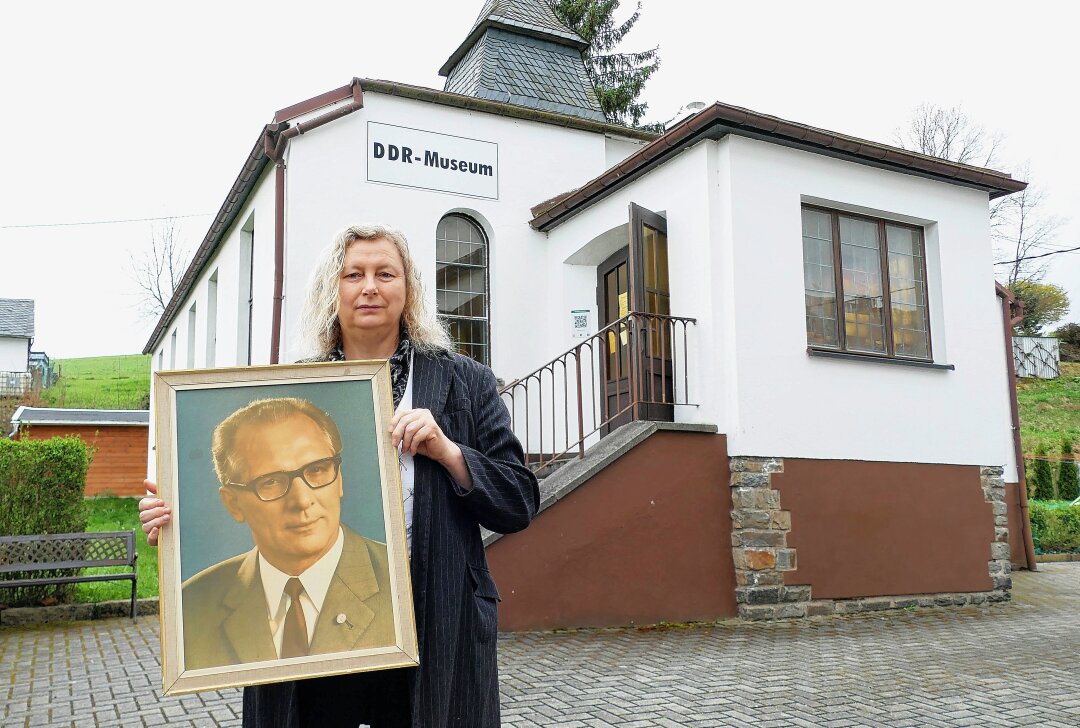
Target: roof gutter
point(274, 146)
point(719, 120)
point(1009, 305)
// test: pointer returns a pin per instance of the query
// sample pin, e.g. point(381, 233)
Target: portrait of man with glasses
point(310, 585)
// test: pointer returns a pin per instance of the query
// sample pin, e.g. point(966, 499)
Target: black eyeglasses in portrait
point(317, 474)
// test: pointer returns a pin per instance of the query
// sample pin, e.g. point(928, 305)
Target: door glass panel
point(662, 263)
point(611, 296)
point(650, 256)
point(616, 298)
point(656, 263)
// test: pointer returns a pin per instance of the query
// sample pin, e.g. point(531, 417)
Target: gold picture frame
point(226, 541)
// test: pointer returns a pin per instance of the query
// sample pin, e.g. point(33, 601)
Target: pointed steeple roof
point(519, 52)
point(528, 17)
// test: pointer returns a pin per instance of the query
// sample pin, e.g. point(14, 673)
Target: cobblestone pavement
point(1010, 664)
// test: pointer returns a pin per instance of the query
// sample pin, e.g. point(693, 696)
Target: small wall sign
point(429, 160)
point(582, 322)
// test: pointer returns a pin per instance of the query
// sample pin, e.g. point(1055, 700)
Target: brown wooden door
point(613, 294)
point(651, 293)
point(636, 366)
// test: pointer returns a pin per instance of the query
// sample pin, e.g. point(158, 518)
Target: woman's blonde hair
point(319, 324)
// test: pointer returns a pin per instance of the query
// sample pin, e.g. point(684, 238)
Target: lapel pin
point(342, 619)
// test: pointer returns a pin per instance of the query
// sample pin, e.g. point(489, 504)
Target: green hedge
point(1055, 526)
point(41, 491)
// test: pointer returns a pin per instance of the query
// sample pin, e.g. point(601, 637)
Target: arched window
point(461, 284)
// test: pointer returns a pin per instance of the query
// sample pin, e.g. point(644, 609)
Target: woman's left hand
point(417, 433)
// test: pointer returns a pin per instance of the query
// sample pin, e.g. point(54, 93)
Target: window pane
point(864, 315)
point(650, 256)
point(461, 284)
point(655, 264)
point(907, 290)
point(819, 280)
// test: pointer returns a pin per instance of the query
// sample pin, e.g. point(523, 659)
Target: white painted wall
point(733, 210)
point(619, 148)
point(793, 405)
point(680, 191)
point(14, 354)
point(327, 190)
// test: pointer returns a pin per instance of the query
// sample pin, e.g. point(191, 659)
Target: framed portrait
point(287, 555)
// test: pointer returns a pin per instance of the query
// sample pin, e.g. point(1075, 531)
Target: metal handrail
point(633, 369)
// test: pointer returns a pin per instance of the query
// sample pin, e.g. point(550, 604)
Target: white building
point(812, 467)
point(16, 336)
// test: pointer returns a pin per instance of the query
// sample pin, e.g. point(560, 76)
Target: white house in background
point(16, 336)
point(820, 308)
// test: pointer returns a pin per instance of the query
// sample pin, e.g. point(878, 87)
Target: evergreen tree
point(1068, 478)
point(1042, 478)
point(617, 77)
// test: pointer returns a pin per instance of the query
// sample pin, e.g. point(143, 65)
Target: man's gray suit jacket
point(225, 620)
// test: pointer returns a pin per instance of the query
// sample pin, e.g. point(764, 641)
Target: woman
point(366, 302)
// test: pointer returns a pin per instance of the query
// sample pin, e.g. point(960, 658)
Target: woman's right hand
point(153, 513)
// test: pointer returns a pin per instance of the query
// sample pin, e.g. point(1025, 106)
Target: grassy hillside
point(1050, 409)
point(102, 382)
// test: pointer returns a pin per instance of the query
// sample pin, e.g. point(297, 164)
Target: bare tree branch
point(949, 134)
point(158, 269)
point(1019, 228)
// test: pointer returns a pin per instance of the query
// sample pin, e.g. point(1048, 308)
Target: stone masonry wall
point(759, 531)
point(761, 554)
point(993, 485)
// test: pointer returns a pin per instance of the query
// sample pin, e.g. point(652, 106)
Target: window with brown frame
point(847, 259)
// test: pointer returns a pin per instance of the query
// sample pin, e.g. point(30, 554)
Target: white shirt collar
point(316, 579)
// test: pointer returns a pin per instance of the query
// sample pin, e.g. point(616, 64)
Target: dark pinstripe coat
point(453, 592)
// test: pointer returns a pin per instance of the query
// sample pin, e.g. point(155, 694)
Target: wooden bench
point(49, 552)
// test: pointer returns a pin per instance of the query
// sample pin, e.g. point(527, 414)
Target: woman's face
point(372, 289)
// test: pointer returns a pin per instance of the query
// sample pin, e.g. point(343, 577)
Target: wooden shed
point(120, 436)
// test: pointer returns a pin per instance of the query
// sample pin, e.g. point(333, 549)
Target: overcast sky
point(127, 110)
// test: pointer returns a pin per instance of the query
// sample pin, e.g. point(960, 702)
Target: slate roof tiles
point(520, 53)
point(17, 317)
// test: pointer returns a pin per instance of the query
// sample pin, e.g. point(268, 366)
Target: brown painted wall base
point(867, 529)
point(646, 540)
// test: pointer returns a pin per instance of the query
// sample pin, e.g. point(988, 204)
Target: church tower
point(519, 52)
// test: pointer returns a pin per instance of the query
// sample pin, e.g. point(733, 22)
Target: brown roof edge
point(471, 103)
point(735, 119)
point(314, 103)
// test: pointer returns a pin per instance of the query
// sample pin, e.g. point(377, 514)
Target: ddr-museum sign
point(431, 161)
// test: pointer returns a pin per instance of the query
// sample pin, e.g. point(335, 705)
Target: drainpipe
point(279, 260)
point(1008, 300)
point(274, 143)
